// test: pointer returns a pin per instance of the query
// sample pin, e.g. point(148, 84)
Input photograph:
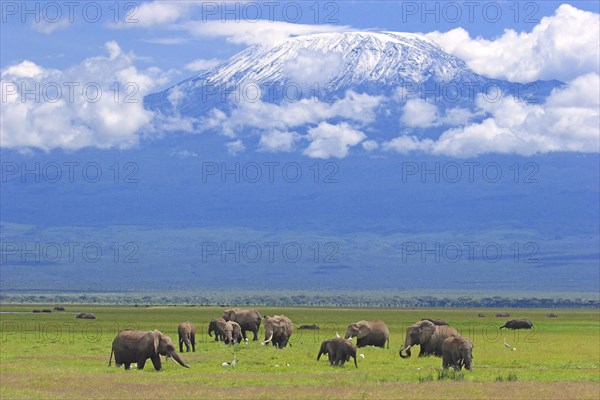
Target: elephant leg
point(127, 366)
point(157, 363)
point(255, 331)
point(141, 363)
point(193, 344)
point(181, 345)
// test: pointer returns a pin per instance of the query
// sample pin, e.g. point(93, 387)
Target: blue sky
point(63, 44)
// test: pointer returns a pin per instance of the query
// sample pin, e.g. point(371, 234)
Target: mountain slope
point(371, 62)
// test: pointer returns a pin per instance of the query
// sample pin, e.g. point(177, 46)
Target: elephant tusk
point(407, 347)
point(269, 339)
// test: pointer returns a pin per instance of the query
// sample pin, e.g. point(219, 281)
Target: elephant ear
point(427, 329)
point(156, 336)
point(364, 329)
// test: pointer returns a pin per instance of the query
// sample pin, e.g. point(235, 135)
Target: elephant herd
point(435, 338)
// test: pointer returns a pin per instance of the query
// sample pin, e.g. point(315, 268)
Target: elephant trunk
point(349, 334)
point(178, 359)
point(354, 356)
point(407, 350)
point(319, 355)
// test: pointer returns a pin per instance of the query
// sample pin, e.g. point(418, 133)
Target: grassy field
point(57, 356)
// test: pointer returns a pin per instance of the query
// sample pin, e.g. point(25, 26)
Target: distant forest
point(334, 300)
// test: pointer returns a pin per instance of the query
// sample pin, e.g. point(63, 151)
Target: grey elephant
point(187, 334)
point(218, 327)
point(369, 333)
point(278, 330)
point(132, 346)
point(518, 324)
point(339, 351)
point(502, 315)
point(233, 333)
point(457, 352)
point(249, 320)
point(429, 336)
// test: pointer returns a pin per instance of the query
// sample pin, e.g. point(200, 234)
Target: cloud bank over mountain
point(356, 91)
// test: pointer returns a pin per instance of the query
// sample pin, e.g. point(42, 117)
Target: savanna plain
point(55, 356)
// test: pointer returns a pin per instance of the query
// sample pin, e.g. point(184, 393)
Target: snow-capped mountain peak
point(339, 60)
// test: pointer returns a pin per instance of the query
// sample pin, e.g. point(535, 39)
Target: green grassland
point(58, 356)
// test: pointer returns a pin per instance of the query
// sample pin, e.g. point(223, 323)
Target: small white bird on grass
point(508, 346)
point(361, 355)
point(232, 364)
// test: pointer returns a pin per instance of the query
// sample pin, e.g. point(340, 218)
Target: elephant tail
point(110, 359)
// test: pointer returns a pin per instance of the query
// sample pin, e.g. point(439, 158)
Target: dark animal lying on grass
point(438, 322)
point(502, 315)
point(310, 327)
point(58, 308)
point(86, 315)
point(46, 310)
point(552, 315)
point(518, 324)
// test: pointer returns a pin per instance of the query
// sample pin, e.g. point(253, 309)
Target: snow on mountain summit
point(341, 59)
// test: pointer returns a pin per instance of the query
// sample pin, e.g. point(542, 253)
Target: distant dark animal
point(187, 335)
point(37, 311)
point(131, 346)
point(502, 315)
point(339, 351)
point(369, 333)
point(552, 315)
point(429, 336)
point(518, 324)
point(457, 352)
point(217, 326)
point(46, 310)
point(84, 315)
point(481, 315)
point(249, 320)
point(58, 308)
point(437, 322)
point(310, 327)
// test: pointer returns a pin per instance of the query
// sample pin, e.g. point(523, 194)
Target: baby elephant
point(339, 351)
point(187, 335)
point(233, 333)
point(457, 351)
point(518, 324)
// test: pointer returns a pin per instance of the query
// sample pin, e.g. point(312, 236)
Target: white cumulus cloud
point(276, 140)
point(202, 64)
point(569, 120)
point(328, 140)
point(97, 103)
point(562, 46)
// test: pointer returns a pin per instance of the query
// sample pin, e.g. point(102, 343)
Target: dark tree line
point(312, 300)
